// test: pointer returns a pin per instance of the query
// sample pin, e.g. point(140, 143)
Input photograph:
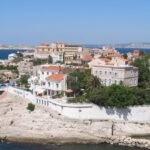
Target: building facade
point(50, 80)
point(59, 51)
point(114, 71)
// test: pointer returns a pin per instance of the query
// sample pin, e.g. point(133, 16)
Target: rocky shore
point(43, 125)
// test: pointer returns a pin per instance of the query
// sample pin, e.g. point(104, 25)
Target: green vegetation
point(19, 55)
point(30, 107)
point(88, 88)
point(125, 56)
point(37, 61)
point(77, 81)
point(8, 67)
point(59, 62)
point(58, 95)
point(143, 65)
point(50, 59)
point(119, 96)
point(23, 81)
point(18, 58)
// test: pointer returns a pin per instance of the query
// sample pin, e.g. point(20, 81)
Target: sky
point(74, 21)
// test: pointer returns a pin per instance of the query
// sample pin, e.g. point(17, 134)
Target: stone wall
point(140, 114)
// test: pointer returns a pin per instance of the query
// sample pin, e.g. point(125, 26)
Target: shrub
point(81, 99)
point(58, 95)
point(31, 107)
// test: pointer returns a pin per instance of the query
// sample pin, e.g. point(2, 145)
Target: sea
point(126, 50)
point(15, 146)
point(4, 53)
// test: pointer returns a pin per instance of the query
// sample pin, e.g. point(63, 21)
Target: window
point(49, 83)
point(57, 85)
point(43, 73)
point(100, 72)
point(47, 73)
point(115, 74)
point(115, 81)
point(109, 81)
point(105, 72)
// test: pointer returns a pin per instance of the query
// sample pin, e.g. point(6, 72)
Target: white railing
point(87, 111)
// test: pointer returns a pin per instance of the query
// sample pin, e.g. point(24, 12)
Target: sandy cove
point(46, 126)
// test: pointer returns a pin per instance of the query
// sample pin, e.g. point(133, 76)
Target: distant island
point(141, 45)
point(19, 47)
point(121, 45)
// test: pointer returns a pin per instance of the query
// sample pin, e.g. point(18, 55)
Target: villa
point(51, 81)
point(114, 71)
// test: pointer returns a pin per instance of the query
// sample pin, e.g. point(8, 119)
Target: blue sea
point(126, 50)
point(4, 53)
point(14, 146)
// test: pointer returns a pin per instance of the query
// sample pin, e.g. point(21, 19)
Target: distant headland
point(16, 47)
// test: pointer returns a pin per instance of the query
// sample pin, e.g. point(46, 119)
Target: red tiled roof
point(53, 68)
point(105, 59)
point(55, 77)
point(87, 58)
point(122, 59)
point(115, 55)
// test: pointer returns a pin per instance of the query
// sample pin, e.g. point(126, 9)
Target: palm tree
point(92, 82)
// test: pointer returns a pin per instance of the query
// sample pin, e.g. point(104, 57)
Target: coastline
point(119, 141)
point(44, 126)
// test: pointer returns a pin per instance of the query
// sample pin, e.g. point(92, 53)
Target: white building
point(57, 57)
point(114, 71)
point(12, 57)
point(55, 84)
point(51, 80)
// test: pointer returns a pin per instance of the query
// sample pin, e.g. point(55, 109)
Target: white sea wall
point(131, 129)
point(139, 114)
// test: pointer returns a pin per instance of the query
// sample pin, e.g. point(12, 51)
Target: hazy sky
point(74, 21)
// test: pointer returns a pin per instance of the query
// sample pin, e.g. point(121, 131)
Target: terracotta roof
point(105, 59)
point(53, 68)
point(111, 51)
point(122, 59)
point(55, 77)
point(115, 55)
point(87, 58)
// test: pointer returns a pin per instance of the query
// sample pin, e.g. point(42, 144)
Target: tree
point(118, 96)
point(23, 80)
point(50, 59)
point(144, 71)
point(38, 61)
point(125, 56)
point(76, 81)
point(92, 82)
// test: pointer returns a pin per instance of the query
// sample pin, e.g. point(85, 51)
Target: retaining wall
point(88, 111)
